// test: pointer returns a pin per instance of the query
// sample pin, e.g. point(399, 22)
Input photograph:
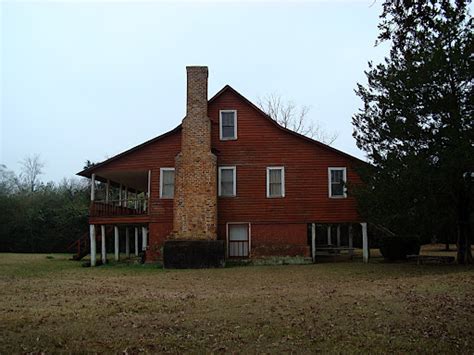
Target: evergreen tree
point(416, 124)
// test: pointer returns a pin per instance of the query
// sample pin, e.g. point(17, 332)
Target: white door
point(239, 240)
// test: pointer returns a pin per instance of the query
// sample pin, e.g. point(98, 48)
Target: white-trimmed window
point(227, 181)
point(166, 182)
point(276, 181)
point(337, 178)
point(227, 124)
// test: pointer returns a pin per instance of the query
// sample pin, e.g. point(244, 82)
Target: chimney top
point(197, 68)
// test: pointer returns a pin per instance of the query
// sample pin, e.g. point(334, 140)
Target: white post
point(338, 235)
point(144, 238)
point(147, 200)
point(117, 251)
point(92, 243)
point(107, 191)
point(149, 184)
point(313, 241)
point(127, 242)
point(103, 250)
point(136, 241)
point(329, 235)
point(92, 187)
point(126, 197)
point(351, 237)
point(120, 195)
point(365, 243)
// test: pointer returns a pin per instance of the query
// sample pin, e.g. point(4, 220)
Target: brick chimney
point(195, 197)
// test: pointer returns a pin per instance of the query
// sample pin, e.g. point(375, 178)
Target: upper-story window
point(276, 181)
point(337, 182)
point(227, 181)
point(228, 124)
point(166, 182)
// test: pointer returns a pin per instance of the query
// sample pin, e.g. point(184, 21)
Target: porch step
point(81, 246)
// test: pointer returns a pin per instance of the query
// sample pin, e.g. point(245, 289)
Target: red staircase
point(81, 246)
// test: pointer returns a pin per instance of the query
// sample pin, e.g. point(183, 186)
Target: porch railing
point(124, 207)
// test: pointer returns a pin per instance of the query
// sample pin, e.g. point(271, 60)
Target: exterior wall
point(157, 234)
point(261, 144)
point(271, 239)
point(278, 225)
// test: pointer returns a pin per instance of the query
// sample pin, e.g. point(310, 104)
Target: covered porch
point(120, 193)
point(334, 239)
point(133, 237)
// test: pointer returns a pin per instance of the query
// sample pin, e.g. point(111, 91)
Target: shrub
point(399, 246)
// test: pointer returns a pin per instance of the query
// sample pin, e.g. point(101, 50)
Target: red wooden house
point(228, 173)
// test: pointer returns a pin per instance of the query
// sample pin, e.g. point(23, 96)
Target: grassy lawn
point(53, 304)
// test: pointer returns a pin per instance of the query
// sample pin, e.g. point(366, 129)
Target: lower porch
point(125, 240)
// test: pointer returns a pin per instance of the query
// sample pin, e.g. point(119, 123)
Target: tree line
point(40, 217)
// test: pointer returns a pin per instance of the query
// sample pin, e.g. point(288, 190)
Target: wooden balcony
point(118, 208)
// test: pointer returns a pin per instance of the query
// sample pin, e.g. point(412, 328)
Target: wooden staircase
point(81, 246)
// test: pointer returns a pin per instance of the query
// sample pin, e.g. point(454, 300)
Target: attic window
point(228, 124)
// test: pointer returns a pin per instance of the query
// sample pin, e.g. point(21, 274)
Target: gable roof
point(87, 172)
point(275, 123)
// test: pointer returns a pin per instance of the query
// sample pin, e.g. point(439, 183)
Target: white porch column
point(103, 250)
point(365, 243)
point(126, 196)
point(92, 243)
point(93, 187)
point(107, 191)
point(136, 241)
point(338, 235)
point(117, 251)
point(120, 195)
point(144, 238)
point(147, 197)
point(351, 237)
point(329, 235)
point(313, 241)
point(127, 242)
point(149, 184)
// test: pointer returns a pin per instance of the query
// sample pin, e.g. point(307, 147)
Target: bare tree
point(288, 115)
point(8, 180)
point(31, 169)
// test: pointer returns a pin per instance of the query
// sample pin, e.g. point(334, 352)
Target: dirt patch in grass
point(56, 305)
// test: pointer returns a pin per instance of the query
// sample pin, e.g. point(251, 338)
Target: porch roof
point(96, 167)
point(136, 181)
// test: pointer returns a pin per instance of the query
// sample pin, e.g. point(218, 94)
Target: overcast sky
point(87, 80)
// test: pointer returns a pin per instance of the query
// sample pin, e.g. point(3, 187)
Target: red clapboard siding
point(261, 144)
